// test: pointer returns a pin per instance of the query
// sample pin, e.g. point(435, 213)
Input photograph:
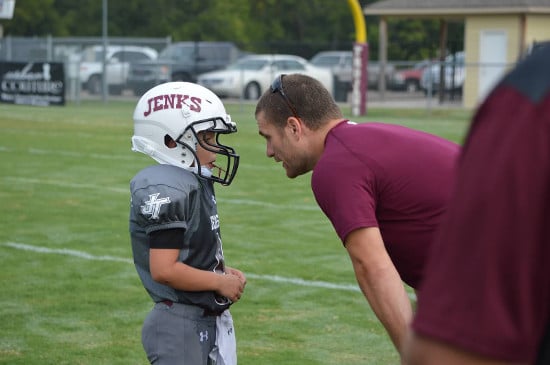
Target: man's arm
point(380, 282)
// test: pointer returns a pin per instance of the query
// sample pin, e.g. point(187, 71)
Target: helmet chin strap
point(205, 171)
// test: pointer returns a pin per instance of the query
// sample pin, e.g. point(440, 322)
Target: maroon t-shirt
point(386, 176)
point(487, 284)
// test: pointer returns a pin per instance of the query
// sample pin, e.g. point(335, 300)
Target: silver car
point(454, 71)
point(251, 75)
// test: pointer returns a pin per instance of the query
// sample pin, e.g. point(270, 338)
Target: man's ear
point(294, 126)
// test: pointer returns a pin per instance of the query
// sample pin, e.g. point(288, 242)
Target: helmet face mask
point(227, 161)
point(178, 112)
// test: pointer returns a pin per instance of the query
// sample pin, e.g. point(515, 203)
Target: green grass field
point(70, 294)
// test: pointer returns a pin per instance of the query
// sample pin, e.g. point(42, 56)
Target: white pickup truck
point(117, 65)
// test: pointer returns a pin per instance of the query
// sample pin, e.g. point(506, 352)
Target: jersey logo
point(152, 206)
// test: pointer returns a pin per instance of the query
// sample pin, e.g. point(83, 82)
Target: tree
point(276, 26)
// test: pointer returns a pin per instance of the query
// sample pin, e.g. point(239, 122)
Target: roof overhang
point(452, 11)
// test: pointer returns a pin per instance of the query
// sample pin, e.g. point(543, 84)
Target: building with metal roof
point(497, 33)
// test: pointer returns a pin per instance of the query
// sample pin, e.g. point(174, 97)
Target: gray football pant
point(179, 334)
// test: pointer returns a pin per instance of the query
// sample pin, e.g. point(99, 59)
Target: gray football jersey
point(164, 197)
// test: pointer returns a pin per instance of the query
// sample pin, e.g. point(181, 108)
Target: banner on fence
point(33, 83)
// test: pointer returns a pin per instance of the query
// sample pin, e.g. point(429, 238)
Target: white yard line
point(273, 278)
point(64, 184)
point(86, 256)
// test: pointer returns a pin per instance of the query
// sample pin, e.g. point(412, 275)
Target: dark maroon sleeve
point(346, 198)
point(487, 284)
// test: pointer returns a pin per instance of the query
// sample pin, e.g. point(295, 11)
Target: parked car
point(182, 61)
point(250, 76)
point(373, 74)
point(117, 64)
point(454, 71)
point(341, 64)
point(409, 79)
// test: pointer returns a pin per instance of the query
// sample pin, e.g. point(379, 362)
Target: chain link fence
point(84, 64)
point(83, 61)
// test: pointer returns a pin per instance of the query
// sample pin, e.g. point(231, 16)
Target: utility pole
point(104, 89)
point(6, 12)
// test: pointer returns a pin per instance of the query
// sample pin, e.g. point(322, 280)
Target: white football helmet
point(178, 111)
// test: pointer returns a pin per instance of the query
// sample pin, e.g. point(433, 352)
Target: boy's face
point(206, 157)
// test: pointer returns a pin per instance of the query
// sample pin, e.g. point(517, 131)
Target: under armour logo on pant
point(204, 336)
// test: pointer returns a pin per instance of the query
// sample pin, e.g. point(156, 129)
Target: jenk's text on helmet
point(172, 101)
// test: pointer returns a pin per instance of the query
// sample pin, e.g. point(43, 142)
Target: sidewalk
point(416, 100)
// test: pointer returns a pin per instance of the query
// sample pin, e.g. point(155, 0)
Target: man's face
point(283, 145)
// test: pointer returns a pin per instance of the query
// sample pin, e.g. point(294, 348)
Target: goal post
point(360, 60)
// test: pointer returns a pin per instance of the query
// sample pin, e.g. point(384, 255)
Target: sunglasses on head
point(277, 86)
